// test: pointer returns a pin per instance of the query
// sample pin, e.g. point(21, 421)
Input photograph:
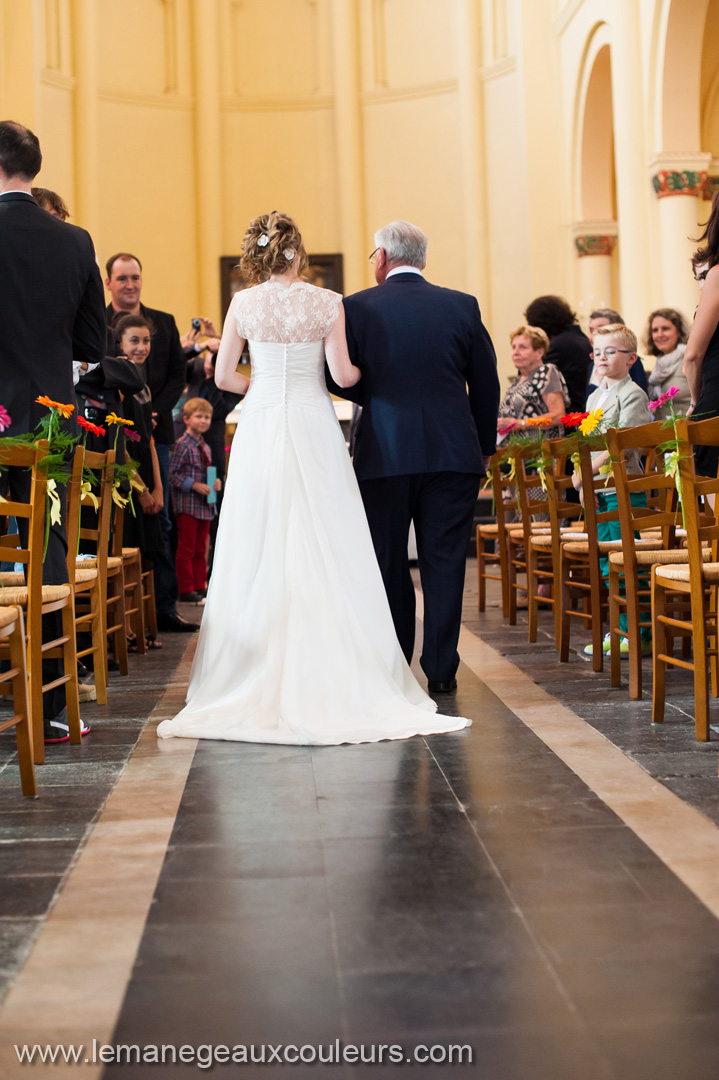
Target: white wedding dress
point(297, 643)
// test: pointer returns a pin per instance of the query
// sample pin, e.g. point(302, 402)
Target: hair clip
point(263, 240)
point(288, 254)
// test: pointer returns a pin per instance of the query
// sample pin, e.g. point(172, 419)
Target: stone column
point(594, 242)
point(472, 138)
point(86, 119)
point(356, 240)
point(679, 182)
point(633, 198)
point(207, 153)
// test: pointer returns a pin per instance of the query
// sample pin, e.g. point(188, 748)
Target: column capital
point(679, 173)
point(594, 237)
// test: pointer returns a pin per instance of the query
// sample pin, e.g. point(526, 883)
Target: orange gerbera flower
point(64, 410)
point(539, 421)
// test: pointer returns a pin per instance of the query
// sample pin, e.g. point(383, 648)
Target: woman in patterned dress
point(539, 390)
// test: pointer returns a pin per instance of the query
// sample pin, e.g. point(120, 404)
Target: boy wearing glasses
point(625, 405)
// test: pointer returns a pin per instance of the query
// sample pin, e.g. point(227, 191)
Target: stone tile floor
point(667, 751)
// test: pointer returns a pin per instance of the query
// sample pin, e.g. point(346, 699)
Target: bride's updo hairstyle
point(272, 245)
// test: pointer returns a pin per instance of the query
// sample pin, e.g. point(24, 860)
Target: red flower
point(574, 419)
point(94, 429)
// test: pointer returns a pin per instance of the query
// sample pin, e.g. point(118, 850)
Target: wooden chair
point(497, 534)
point(530, 548)
point(91, 575)
point(132, 581)
point(560, 509)
point(631, 565)
point(580, 569)
point(37, 599)
point(697, 579)
point(12, 632)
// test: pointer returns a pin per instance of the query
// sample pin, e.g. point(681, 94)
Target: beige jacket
point(625, 406)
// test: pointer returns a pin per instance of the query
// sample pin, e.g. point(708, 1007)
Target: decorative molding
point(672, 182)
point(182, 102)
point(711, 186)
point(592, 244)
point(498, 69)
point(566, 15)
point(230, 103)
point(169, 16)
point(408, 93)
point(57, 79)
point(53, 50)
point(379, 43)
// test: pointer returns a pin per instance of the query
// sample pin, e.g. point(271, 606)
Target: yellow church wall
point(168, 124)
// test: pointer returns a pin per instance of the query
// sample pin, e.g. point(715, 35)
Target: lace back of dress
point(272, 312)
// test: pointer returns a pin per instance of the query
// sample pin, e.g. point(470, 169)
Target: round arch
point(593, 120)
point(677, 48)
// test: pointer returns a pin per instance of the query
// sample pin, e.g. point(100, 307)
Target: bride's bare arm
point(227, 376)
point(342, 369)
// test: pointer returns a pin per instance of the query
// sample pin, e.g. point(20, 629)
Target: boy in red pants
point(193, 514)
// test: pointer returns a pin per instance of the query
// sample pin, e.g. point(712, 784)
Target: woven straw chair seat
point(113, 561)
point(84, 575)
point(649, 558)
point(543, 542)
point(489, 530)
point(710, 572)
point(605, 546)
point(50, 594)
point(8, 615)
point(130, 553)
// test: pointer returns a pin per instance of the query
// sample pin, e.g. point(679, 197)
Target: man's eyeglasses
point(373, 256)
point(609, 353)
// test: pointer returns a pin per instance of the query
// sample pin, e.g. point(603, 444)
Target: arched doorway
point(595, 232)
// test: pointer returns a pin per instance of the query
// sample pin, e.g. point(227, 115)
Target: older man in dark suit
point(166, 379)
point(430, 395)
point(52, 309)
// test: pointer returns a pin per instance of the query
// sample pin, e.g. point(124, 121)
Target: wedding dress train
point(297, 643)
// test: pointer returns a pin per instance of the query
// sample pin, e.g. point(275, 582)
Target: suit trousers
point(54, 572)
point(442, 505)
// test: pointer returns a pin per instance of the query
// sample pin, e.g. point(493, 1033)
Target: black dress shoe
point(442, 686)
point(174, 623)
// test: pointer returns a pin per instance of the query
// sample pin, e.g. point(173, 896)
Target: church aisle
point(465, 890)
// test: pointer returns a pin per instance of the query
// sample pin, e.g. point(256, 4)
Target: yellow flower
point(588, 425)
point(113, 418)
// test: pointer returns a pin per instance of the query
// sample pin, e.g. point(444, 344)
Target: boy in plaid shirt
point(193, 514)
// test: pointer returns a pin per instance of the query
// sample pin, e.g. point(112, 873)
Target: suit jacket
point(52, 308)
point(625, 406)
point(165, 368)
point(421, 348)
point(569, 351)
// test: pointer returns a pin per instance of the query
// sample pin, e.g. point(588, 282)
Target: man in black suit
point(423, 439)
point(165, 367)
point(52, 308)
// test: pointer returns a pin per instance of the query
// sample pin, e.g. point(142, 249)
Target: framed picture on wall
point(325, 271)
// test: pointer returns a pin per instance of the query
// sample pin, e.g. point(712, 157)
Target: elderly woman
point(666, 341)
point(539, 390)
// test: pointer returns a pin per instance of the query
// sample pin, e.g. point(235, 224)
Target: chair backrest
point(702, 527)
point(499, 485)
point(559, 482)
point(81, 509)
point(34, 513)
point(660, 511)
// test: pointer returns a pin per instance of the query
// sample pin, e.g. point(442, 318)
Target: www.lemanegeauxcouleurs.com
point(206, 1056)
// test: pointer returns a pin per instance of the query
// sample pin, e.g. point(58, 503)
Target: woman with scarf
point(666, 336)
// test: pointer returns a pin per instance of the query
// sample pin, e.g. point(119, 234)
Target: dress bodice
point(285, 328)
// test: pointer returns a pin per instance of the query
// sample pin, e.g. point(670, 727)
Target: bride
point(297, 643)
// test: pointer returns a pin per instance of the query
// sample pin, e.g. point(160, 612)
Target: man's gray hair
point(403, 243)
